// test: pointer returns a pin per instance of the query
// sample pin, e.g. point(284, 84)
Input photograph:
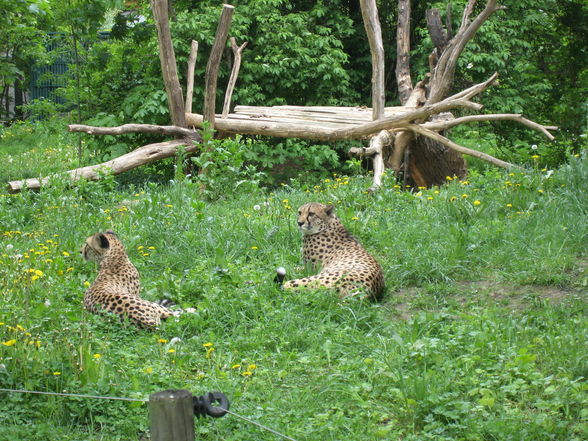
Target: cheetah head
point(97, 245)
point(314, 217)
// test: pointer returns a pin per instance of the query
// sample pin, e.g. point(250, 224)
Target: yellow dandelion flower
point(477, 202)
point(253, 247)
point(70, 269)
point(207, 345)
point(65, 254)
point(86, 283)
point(540, 191)
point(150, 248)
point(247, 373)
point(252, 367)
point(57, 373)
point(97, 356)
point(148, 370)
point(9, 342)
point(140, 247)
point(535, 157)
point(464, 196)
point(453, 198)
point(171, 350)
point(162, 340)
point(448, 178)
point(354, 218)
point(236, 366)
point(209, 352)
point(430, 198)
point(509, 205)
point(20, 328)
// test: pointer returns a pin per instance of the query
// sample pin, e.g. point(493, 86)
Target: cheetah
point(117, 287)
point(345, 264)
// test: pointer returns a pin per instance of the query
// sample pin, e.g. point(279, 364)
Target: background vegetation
point(482, 332)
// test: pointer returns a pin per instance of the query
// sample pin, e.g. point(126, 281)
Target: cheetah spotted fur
point(345, 264)
point(116, 288)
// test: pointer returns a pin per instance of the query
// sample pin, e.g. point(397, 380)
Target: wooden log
point(371, 21)
point(190, 75)
point(172, 416)
point(135, 128)
point(142, 155)
point(237, 50)
point(220, 41)
point(167, 59)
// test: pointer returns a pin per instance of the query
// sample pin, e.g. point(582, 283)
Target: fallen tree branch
point(458, 148)
point(444, 125)
point(139, 156)
point(136, 128)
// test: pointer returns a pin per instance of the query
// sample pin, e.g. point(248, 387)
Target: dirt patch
point(465, 295)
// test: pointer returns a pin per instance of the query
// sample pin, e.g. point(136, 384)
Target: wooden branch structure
point(414, 130)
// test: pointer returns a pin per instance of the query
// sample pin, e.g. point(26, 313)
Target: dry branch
point(142, 155)
point(190, 75)
point(444, 125)
point(237, 50)
point(458, 148)
point(136, 128)
point(220, 41)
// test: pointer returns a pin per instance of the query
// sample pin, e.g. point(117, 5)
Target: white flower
point(548, 174)
point(174, 340)
point(470, 65)
point(534, 147)
point(47, 303)
point(256, 207)
point(9, 246)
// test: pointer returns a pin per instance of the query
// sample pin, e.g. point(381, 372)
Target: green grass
point(481, 334)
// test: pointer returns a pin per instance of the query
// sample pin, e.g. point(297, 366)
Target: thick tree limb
point(237, 50)
point(403, 79)
point(445, 69)
point(190, 75)
point(220, 41)
point(444, 125)
point(136, 128)
point(167, 58)
point(438, 35)
point(140, 156)
point(377, 144)
point(371, 21)
point(458, 148)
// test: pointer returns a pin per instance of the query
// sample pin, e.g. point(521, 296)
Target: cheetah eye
point(311, 214)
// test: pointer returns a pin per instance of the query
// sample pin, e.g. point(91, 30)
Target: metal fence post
point(172, 415)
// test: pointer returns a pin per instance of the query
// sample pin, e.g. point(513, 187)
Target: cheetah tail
point(280, 275)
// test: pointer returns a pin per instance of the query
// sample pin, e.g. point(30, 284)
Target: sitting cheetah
point(345, 264)
point(116, 289)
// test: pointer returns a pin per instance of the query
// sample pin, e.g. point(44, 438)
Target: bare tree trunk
point(214, 60)
point(167, 58)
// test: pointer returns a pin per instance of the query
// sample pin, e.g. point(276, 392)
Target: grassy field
point(482, 334)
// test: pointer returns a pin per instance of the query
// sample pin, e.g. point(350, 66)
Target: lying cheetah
point(116, 288)
point(345, 264)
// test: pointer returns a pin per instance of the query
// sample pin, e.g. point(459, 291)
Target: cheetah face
point(95, 247)
point(314, 217)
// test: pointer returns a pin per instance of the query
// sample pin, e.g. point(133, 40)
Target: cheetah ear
point(103, 241)
point(330, 210)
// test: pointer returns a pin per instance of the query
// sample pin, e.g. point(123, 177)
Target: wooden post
point(172, 415)
point(369, 11)
point(220, 41)
point(167, 58)
point(234, 74)
point(190, 83)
